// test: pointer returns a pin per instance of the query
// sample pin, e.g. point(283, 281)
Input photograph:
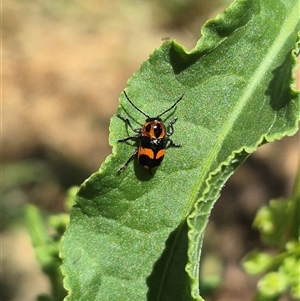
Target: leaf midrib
point(254, 80)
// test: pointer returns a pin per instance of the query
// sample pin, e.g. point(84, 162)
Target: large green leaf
point(136, 236)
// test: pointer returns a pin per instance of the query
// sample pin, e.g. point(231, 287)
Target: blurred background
point(65, 64)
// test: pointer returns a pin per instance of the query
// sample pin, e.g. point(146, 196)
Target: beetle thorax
point(154, 129)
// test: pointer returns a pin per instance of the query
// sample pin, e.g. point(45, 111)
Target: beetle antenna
point(135, 106)
point(177, 101)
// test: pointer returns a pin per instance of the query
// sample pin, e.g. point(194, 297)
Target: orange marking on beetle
point(147, 152)
point(145, 131)
point(160, 153)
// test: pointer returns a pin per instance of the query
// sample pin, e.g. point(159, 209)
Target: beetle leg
point(173, 144)
point(128, 161)
point(127, 138)
point(170, 126)
point(127, 121)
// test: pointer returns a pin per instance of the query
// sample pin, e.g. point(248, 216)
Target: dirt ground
point(65, 64)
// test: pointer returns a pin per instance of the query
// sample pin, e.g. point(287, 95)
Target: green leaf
point(295, 291)
point(257, 262)
point(291, 269)
point(69, 201)
point(271, 220)
point(35, 225)
point(136, 236)
point(46, 251)
point(278, 222)
point(272, 284)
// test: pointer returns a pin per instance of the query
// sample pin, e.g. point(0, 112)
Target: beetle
point(153, 138)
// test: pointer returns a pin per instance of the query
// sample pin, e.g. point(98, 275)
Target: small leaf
point(264, 221)
point(272, 223)
point(293, 246)
point(69, 201)
point(59, 222)
point(272, 284)
point(295, 291)
point(257, 262)
point(38, 234)
point(291, 268)
point(46, 252)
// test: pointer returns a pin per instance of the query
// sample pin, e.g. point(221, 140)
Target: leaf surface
point(136, 236)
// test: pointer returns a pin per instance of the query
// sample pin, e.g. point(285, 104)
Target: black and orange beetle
point(153, 138)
